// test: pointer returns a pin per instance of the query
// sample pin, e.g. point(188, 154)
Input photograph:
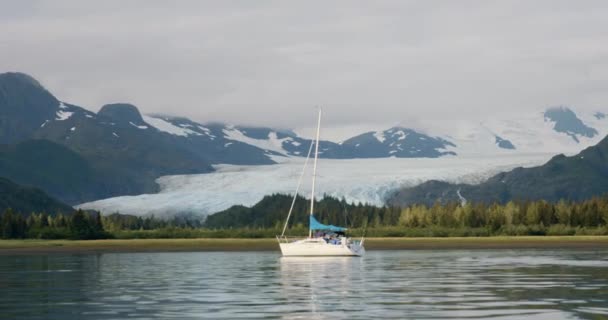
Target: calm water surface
point(505, 284)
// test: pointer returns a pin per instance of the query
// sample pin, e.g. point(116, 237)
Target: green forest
point(266, 219)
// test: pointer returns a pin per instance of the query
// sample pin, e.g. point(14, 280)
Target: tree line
point(451, 219)
point(78, 225)
point(84, 225)
point(266, 219)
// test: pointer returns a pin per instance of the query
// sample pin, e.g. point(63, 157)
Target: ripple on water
point(505, 284)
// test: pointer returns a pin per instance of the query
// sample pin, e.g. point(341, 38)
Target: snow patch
point(63, 115)
point(273, 143)
point(207, 131)
point(168, 127)
point(379, 135)
point(137, 126)
point(402, 135)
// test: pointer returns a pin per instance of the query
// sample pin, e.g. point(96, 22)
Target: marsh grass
point(269, 244)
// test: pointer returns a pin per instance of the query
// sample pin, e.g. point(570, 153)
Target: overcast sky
point(271, 62)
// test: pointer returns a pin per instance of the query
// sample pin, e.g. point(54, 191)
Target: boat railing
point(289, 239)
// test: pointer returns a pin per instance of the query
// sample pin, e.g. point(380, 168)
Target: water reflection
point(482, 284)
point(448, 284)
point(321, 285)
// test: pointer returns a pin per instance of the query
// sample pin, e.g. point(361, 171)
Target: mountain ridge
point(261, 143)
point(126, 151)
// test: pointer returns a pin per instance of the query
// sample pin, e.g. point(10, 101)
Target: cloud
point(271, 62)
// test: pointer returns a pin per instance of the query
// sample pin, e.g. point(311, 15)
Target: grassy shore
point(169, 245)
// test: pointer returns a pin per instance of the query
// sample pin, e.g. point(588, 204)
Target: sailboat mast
point(314, 172)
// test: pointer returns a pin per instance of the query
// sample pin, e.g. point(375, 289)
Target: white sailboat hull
point(317, 247)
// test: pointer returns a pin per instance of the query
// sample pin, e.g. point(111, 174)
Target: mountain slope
point(118, 153)
point(573, 178)
point(27, 200)
point(210, 142)
point(63, 173)
point(119, 144)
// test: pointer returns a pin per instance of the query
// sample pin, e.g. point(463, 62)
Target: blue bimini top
point(316, 225)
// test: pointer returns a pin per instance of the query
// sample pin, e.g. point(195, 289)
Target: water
point(504, 284)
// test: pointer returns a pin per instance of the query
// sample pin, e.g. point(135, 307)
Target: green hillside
point(573, 178)
point(59, 171)
point(28, 200)
point(271, 212)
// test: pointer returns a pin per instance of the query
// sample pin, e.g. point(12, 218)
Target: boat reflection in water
point(321, 287)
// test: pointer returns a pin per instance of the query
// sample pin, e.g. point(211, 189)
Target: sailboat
point(322, 240)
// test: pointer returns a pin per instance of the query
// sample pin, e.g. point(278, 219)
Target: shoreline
point(16, 247)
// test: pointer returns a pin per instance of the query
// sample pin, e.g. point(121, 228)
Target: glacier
point(357, 180)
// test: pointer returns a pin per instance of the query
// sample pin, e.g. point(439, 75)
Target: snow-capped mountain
point(553, 130)
point(122, 152)
point(395, 142)
point(398, 142)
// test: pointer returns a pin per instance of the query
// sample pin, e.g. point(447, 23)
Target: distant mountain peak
point(26, 104)
point(399, 142)
point(122, 113)
point(20, 77)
